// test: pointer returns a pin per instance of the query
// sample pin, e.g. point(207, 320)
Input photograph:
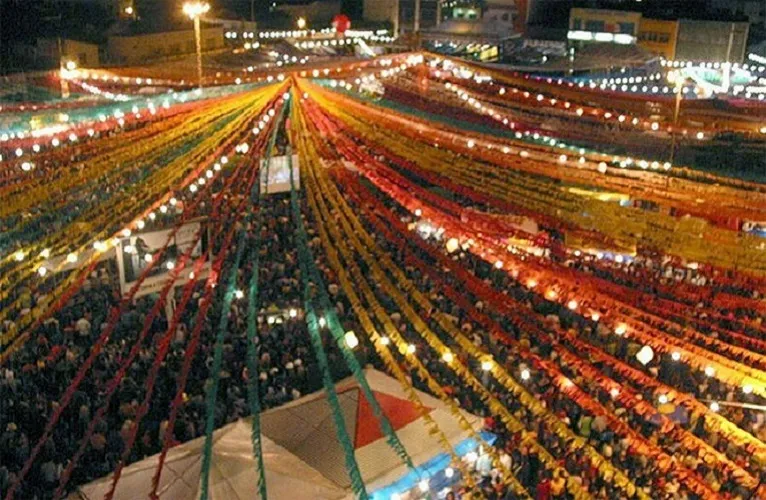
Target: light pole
point(195, 10)
point(679, 81)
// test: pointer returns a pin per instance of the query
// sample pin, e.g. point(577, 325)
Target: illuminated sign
point(588, 36)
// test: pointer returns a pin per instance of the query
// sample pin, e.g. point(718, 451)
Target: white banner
point(279, 175)
point(134, 254)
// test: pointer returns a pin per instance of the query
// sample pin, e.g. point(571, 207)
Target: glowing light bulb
point(621, 329)
point(351, 340)
point(675, 355)
point(71, 258)
point(448, 357)
point(411, 349)
point(239, 294)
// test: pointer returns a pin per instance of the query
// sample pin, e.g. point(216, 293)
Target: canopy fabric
point(301, 454)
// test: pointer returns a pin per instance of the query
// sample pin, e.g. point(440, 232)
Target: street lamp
point(195, 10)
point(679, 80)
point(301, 23)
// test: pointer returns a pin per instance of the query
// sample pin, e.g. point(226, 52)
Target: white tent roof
point(301, 453)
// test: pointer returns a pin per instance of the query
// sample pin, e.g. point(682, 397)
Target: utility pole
point(727, 65)
point(2, 60)
point(679, 82)
point(416, 20)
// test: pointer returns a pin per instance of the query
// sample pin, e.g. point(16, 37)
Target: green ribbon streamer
point(304, 258)
point(337, 331)
point(253, 391)
point(231, 281)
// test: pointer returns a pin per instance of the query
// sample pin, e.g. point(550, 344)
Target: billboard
point(278, 171)
point(135, 253)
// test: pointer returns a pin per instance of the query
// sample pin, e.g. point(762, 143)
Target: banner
point(276, 178)
point(135, 253)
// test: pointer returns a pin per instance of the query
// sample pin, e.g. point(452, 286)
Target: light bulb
point(351, 340)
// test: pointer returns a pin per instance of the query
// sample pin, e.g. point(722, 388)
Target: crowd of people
point(36, 377)
point(614, 447)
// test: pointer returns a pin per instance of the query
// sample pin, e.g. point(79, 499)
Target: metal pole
point(2, 61)
point(727, 66)
point(416, 21)
point(198, 41)
point(64, 84)
point(252, 11)
point(675, 122)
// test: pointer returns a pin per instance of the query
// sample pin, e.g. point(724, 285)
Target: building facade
point(136, 49)
point(57, 52)
point(600, 25)
point(382, 11)
point(711, 41)
point(682, 39)
point(658, 36)
point(430, 11)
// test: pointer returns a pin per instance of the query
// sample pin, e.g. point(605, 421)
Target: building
point(430, 14)
point(382, 11)
point(658, 36)
point(496, 20)
point(317, 14)
point(681, 39)
point(54, 52)
point(600, 25)
point(752, 10)
point(139, 48)
point(711, 41)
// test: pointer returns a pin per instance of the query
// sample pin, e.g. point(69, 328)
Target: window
point(577, 24)
point(627, 28)
point(83, 58)
point(505, 17)
point(594, 26)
